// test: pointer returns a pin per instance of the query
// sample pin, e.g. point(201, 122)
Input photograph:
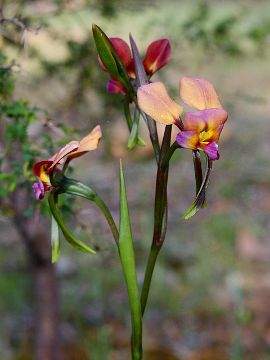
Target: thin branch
point(17, 22)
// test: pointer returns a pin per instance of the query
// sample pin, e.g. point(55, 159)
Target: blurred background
point(210, 296)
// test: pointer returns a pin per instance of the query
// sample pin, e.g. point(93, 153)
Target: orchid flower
point(157, 55)
point(201, 128)
point(58, 162)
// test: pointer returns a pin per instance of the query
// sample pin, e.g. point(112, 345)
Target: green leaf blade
point(55, 243)
point(127, 257)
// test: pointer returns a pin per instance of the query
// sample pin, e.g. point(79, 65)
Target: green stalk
point(106, 212)
point(160, 226)
point(73, 187)
point(151, 262)
point(167, 157)
point(160, 221)
point(67, 234)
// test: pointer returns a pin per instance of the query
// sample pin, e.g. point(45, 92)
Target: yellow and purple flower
point(43, 169)
point(201, 128)
point(157, 55)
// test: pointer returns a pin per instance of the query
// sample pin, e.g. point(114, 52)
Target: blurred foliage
point(225, 33)
point(217, 36)
point(17, 156)
point(19, 151)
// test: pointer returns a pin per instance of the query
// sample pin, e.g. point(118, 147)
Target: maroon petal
point(157, 55)
point(131, 69)
point(41, 164)
point(123, 51)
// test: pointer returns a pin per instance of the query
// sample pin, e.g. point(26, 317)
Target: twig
point(17, 22)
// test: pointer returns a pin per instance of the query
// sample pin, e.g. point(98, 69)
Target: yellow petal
point(199, 93)
point(44, 177)
point(154, 100)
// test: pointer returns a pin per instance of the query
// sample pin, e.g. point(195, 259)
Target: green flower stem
point(67, 234)
point(73, 187)
point(151, 262)
point(160, 226)
point(167, 157)
point(106, 212)
point(160, 222)
point(160, 205)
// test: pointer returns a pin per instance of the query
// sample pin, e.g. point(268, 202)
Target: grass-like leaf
point(55, 240)
point(127, 257)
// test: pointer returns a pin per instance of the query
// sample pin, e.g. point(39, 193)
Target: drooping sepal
point(74, 187)
point(199, 201)
point(67, 234)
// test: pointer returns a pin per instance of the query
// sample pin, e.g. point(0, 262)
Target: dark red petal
point(123, 50)
point(157, 55)
point(131, 69)
point(37, 166)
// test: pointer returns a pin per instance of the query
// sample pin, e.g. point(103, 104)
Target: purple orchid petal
point(115, 87)
point(188, 139)
point(212, 150)
point(207, 119)
point(39, 189)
